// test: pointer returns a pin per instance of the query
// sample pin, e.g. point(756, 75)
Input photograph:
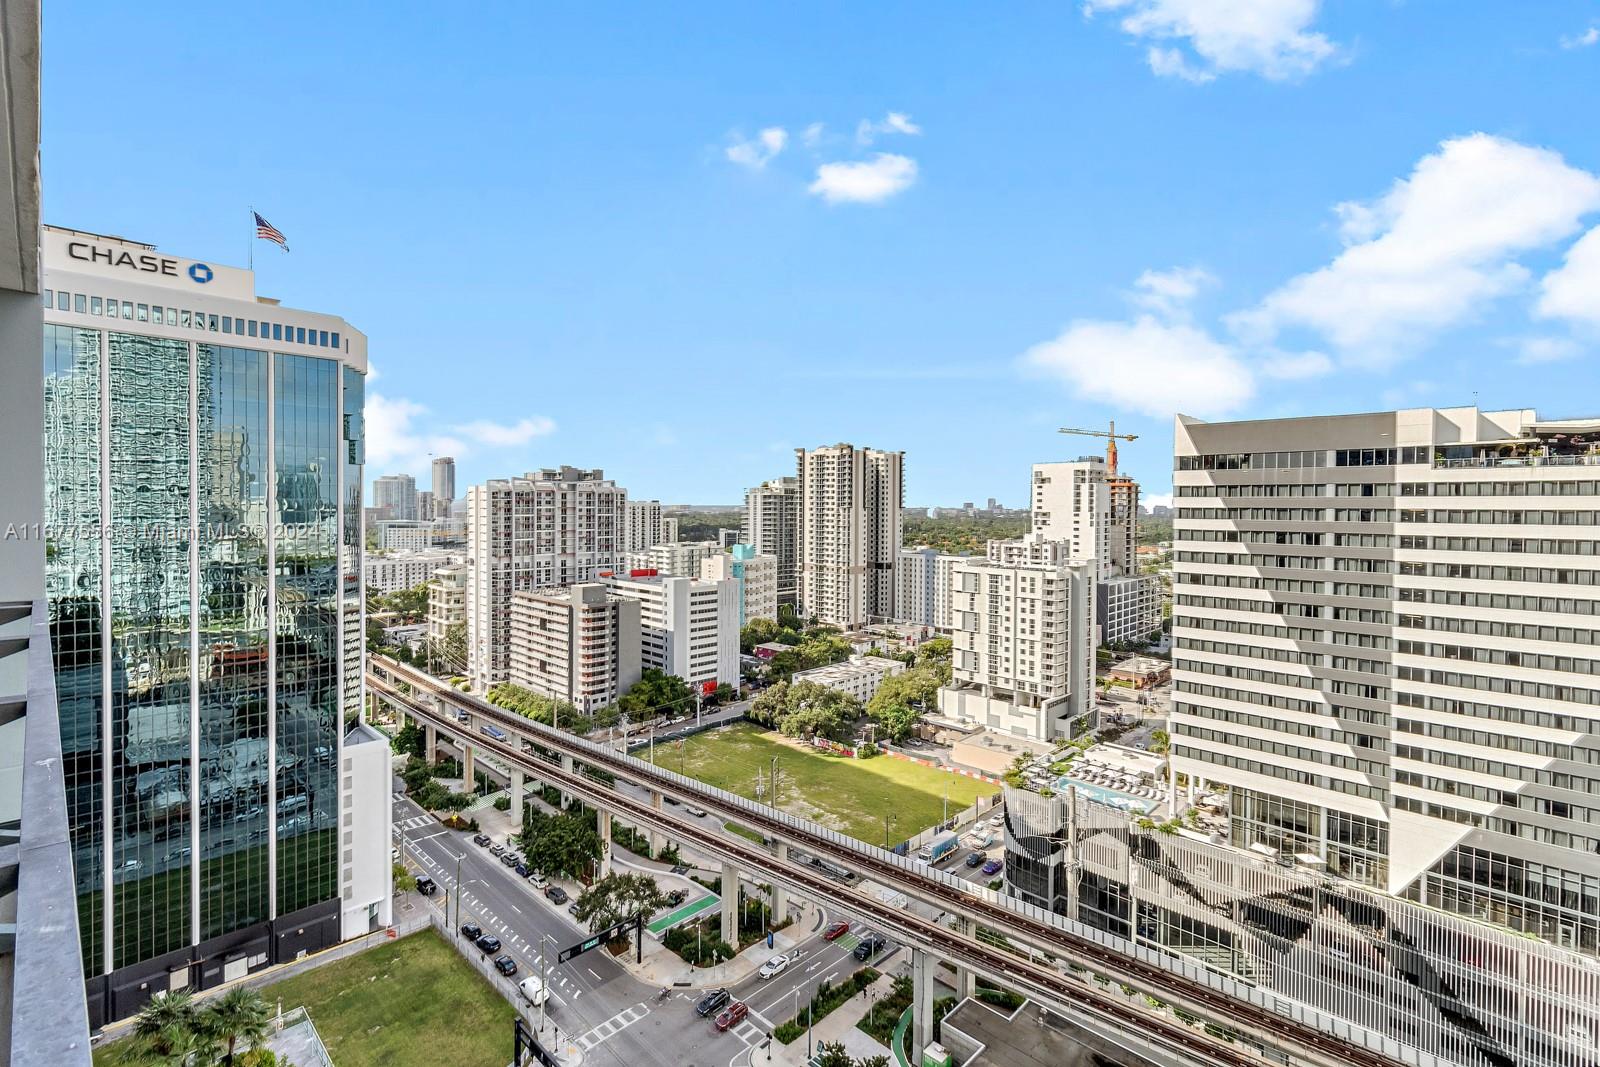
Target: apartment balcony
point(45, 1020)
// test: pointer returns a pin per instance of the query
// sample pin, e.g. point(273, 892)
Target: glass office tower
point(203, 569)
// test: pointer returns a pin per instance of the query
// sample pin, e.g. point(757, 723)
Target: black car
point(425, 885)
point(483, 840)
point(711, 1002)
point(505, 965)
point(556, 895)
point(472, 930)
point(489, 943)
point(868, 947)
point(975, 859)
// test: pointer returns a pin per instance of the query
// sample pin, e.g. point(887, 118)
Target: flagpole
point(252, 253)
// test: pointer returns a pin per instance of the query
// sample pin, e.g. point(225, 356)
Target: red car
point(734, 1013)
point(835, 930)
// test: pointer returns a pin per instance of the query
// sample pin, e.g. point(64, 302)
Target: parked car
point(732, 1015)
point(496, 848)
point(698, 813)
point(974, 859)
point(869, 947)
point(533, 990)
point(712, 1001)
point(992, 867)
point(537, 880)
point(510, 859)
point(572, 909)
point(523, 870)
point(835, 931)
point(555, 894)
point(997, 822)
point(505, 965)
point(775, 966)
point(488, 943)
point(482, 840)
point(471, 930)
point(426, 886)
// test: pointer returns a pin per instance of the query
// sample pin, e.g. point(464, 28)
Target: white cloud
point(399, 442)
point(1272, 38)
point(500, 435)
point(893, 122)
point(1586, 39)
point(1295, 366)
point(1430, 252)
point(1157, 368)
point(812, 134)
point(756, 152)
point(865, 182)
point(1546, 349)
point(1572, 291)
point(1169, 292)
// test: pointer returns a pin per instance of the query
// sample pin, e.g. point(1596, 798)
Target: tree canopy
point(656, 693)
point(561, 846)
point(617, 897)
point(806, 709)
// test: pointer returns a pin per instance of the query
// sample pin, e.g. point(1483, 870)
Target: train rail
point(1040, 980)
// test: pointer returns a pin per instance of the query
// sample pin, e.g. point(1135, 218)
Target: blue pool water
point(1112, 797)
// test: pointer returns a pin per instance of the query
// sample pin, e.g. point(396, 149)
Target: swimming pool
point(1111, 797)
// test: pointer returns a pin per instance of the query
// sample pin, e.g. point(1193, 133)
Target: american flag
point(268, 231)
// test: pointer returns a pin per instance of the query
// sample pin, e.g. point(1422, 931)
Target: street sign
point(595, 941)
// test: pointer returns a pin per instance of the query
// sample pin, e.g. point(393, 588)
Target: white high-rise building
point(850, 529)
point(1072, 505)
point(579, 644)
point(397, 493)
point(756, 574)
point(1385, 632)
point(444, 486)
point(548, 528)
point(643, 525)
point(772, 528)
point(447, 602)
point(688, 627)
point(924, 577)
point(1022, 625)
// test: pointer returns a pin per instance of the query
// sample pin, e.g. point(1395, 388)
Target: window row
point(1288, 774)
point(1550, 720)
point(1503, 657)
point(111, 307)
point(1571, 694)
point(1528, 746)
point(1561, 809)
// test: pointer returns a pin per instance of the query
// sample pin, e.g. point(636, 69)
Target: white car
point(533, 990)
point(775, 966)
point(698, 813)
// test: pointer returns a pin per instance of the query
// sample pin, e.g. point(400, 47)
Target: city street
point(614, 1018)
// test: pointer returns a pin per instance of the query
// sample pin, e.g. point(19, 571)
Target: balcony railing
point(1486, 462)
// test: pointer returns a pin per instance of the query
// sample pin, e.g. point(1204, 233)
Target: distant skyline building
point(850, 533)
point(644, 526)
point(545, 529)
point(924, 576)
point(398, 494)
point(444, 486)
point(1384, 636)
point(681, 558)
point(772, 527)
point(204, 679)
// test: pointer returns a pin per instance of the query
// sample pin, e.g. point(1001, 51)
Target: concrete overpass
point(1047, 957)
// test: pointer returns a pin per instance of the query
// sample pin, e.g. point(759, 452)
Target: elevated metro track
point(1268, 1028)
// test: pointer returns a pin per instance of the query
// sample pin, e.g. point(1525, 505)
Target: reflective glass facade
point(198, 595)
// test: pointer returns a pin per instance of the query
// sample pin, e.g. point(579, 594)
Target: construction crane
point(1111, 436)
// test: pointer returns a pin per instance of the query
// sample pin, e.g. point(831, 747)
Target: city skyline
point(1006, 237)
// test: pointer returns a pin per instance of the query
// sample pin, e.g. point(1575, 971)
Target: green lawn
point(850, 795)
point(398, 1005)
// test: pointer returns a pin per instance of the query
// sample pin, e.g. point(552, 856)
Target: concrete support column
point(966, 981)
point(518, 793)
point(923, 968)
point(780, 895)
point(468, 768)
point(604, 827)
point(730, 904)
point(430, 743)
point(656, 840)
point(566, 765)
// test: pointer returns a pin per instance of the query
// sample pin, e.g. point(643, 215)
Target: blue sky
point(677, 241)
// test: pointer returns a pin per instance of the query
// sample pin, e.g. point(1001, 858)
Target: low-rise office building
point(859, 676)
point(447, 600)
point(403, 570)
point(1128, 607)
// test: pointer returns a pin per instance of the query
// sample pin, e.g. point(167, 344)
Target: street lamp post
point(459, 857)
point(544, 980)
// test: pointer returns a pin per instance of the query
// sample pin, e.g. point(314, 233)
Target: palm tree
point(165, 1029)
point(238, 1016)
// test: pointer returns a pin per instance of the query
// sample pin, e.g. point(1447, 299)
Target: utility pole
point(459, 856)
point(774, 781)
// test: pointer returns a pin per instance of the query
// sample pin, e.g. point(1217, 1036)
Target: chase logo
point(200, 272)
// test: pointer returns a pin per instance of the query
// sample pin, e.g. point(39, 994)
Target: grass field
point(410, 1003)
point(852, 796)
